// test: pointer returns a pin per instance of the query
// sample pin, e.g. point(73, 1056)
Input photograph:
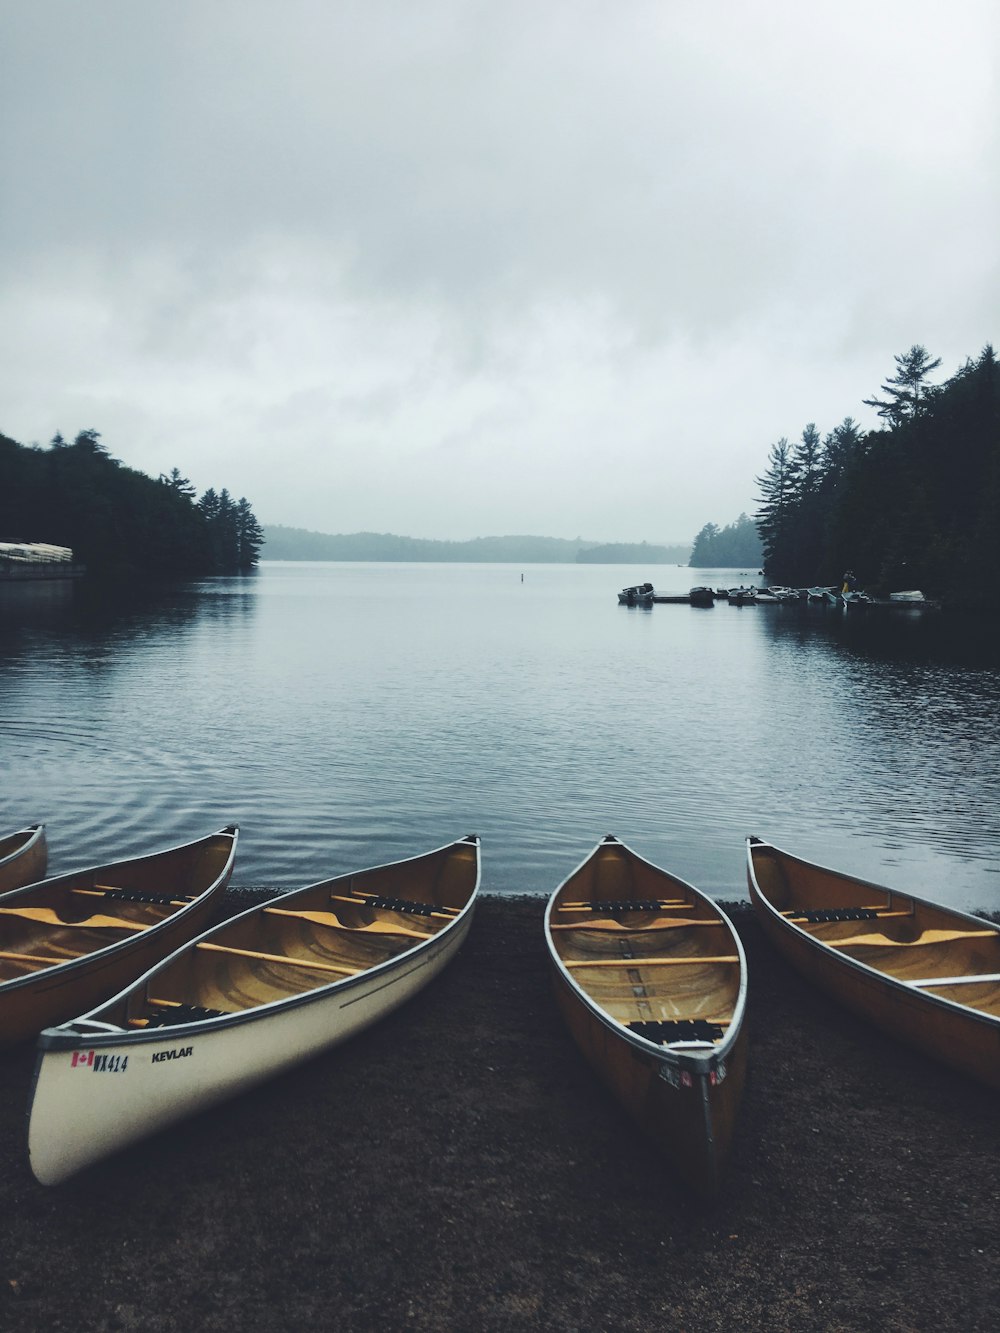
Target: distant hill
point(281, 543)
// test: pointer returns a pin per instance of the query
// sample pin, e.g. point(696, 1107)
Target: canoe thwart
point(689, 960)
point(30, 958)
point(674, 923)
point(669, 1030)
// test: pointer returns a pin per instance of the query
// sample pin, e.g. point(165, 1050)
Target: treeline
point(736, 544)
point(633, 553)
point(118, 520)
point(283, 543)
point(914, 504)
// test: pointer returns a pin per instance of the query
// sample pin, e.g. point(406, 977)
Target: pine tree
point(906, 389)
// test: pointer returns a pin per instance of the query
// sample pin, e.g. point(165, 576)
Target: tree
point(905, 387)
point(777, 492)
point(178, 483)
point(841, 448)
point(249, 534)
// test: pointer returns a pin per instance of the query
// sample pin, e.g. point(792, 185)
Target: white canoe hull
point(100, 1094)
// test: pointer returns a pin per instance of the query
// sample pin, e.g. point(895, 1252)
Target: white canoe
point(255, 996)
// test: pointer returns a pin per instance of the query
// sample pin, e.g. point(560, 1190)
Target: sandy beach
point(459, 1167)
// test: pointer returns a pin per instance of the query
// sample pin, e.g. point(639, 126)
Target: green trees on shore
point(915, 504)
point(734, 545)
point(118, 520)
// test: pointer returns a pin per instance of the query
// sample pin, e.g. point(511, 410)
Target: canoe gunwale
point(96, 957)
point(37, 832)
point(784, 928)
point(78, 1032)
point(704, 1061)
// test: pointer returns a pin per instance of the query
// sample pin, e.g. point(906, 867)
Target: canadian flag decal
point(82, 1058)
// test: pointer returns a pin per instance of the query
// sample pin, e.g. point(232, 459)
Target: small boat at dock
point(650, 977)
point(640, 594)
point(71, 941)
point(925, 974)
point(24, 857)
point(257, 995)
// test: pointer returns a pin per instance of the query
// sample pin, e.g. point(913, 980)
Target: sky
point(462, 268)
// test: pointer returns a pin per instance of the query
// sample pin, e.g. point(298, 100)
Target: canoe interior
point(305, 940)
point(647, 950)
point(71, 916)
point(936, 950)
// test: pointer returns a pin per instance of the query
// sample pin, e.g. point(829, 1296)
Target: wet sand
point(458, 1167)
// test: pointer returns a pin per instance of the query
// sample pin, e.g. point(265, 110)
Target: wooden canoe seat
point(169, 1013)
point(825, 914)
point(650, 904)
point(386, 904)
point(694, 960)
point(134, 896)
point(667, 1030)
point(47, 916)
point(279, 958)
point(330, 921)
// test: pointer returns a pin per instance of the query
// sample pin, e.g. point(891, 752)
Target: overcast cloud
point(452, 268)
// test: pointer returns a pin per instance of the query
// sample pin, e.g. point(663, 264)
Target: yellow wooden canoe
point(926, 974)
point(24, 857)
point(651, 978)
point(256, 995)
point(69, 942)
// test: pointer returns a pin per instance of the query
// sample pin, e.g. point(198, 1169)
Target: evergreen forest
point(117, 520)
point(914, 504)
point(729, 547)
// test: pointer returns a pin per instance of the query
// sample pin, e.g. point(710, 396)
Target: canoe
point(926, 974)
point(70, 942)
point(24, 857)
point(253, 997)
point(650, 977)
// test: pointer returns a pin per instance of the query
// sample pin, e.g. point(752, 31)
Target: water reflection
point(347, 714)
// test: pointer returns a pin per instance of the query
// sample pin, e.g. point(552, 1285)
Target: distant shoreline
point(281, 543)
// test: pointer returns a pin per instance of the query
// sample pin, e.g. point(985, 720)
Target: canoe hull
point(650, 977)
point(965, 1039)
point(139, 1083)
point(258, 994)
point(37, 1000)
point(690, 1119)
point(24, 857)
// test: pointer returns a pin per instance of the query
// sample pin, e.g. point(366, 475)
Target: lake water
point(349, 714)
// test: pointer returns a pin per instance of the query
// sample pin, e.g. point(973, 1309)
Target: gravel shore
point(459, 1167)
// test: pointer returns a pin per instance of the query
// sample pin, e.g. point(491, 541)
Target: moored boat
point(70, 942)
point(24, 857)
point(913, 597)
point(257, 995)
point(702, 596)
point(921, 972)
point(650, 977)
point(640, 594)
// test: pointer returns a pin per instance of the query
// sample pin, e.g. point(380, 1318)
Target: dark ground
point(458, 1167)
